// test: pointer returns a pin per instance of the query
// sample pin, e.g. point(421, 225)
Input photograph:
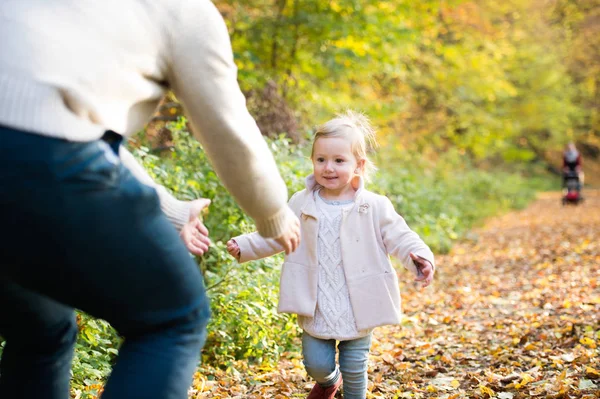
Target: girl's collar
point(309, 208)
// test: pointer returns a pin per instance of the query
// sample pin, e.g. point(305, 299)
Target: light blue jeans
point(319, 361)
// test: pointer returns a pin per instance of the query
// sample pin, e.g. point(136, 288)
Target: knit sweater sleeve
point(178, 212)
point(202, 73)
point(399, 239)
point(253, 247)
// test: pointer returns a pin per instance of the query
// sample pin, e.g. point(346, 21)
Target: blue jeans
point(79, 231)
point(319, 361)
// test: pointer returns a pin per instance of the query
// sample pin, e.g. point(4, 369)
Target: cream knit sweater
point(72, 69)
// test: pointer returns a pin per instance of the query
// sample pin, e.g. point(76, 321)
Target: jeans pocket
point(88, 166)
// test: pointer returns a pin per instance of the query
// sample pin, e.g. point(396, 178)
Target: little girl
point(340, 281)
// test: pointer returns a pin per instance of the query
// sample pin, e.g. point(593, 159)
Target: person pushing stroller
point(572, 174)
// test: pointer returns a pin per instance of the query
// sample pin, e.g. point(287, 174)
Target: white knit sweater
point(73, 69)
point(334, 317)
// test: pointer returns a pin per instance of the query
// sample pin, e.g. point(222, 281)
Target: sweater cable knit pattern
point(334, 317)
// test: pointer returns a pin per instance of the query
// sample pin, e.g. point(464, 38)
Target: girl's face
point(334, 166)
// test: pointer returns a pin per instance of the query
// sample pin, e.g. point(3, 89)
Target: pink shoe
point(319, 392)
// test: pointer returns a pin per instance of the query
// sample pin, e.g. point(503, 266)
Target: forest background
point(473, 101)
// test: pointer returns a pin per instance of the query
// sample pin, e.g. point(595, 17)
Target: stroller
point(572, 188)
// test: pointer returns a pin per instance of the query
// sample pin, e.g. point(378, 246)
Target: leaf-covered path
point(513, 313)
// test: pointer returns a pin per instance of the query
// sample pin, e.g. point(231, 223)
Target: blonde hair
point(355, 127)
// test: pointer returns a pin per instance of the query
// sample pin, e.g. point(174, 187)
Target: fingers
point(424, 270)
point(232, 245)
point(418, 265)
point(290, 239)
point(285, 243)
point(202, 239)
point(197, 247)
point(422, 262)
point(426, 279)
point(235, 254)
point(195, 237)
point(233, 249)
point(202, 228)
point(295, 238)
point(291, 243)
point(199, 231)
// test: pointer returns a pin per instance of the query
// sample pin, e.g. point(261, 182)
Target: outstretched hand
point(424, 269)
point(194, 234)
point(233, 248)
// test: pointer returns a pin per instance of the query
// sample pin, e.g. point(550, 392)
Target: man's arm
point(203, 75)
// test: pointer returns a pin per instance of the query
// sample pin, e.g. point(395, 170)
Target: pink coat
point(371, 231)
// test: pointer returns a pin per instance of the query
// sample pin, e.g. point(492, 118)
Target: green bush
point(442, 202)
point(95, 350)
point(245, 323)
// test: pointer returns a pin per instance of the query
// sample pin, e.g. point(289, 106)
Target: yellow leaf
point(588, 342)
point(562, 375)
point(526, 379)
point(193, 183)
point(592, 373)
point(530, 347)
point(403, 366)
point(486, 391)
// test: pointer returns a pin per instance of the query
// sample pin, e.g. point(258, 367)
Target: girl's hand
point(424, 269)
point(234, 249)
point(194, 234)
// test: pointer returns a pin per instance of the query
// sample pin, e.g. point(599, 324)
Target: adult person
point(572, 164)
point(80, 231)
